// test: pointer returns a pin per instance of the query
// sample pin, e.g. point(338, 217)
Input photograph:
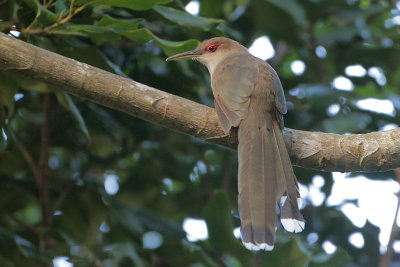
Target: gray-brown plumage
point(248, 94)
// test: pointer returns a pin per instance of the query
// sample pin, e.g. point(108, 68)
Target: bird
point(248, 94)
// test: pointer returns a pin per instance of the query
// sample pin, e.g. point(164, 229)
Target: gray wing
point(232, 85)
point(273, 84)
point(280, 101)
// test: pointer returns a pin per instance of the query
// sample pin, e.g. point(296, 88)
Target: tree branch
point(376, 151)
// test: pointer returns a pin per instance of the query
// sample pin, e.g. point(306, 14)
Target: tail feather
point(291, 218)
point(265, 177)
point(257, 200)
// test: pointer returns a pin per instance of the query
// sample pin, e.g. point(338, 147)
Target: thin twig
point(386, 258)
point(28, 158)
point(229, 173)
point(39, 169)
point(92, 257)
point(44, 145)
point(72, 12)
point(18, 221)
point(37, 175)
point(42, 164)
point(41, 235)
point(3, 2)
point(66, 189)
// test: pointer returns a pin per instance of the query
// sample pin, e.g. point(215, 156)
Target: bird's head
point(212, 51)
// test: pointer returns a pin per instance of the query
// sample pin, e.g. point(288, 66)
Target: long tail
point(265, 176)
point(291, 218)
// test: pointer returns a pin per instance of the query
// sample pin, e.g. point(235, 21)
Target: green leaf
point(3, 140)
point(13, 198)
point(121, 251)
point(9, 11)
point(90, 55)
point(108, 29)
point(294, 9)
point(65, 100)
point(29, 214)
point(365, 91)
point(143, 35)
point(365, 4)
point(217, 213)
point(43, 15)
point(126, 218)
point(4, 25)
point(6, 262)
point(30, 84)
point(186, 19)
point(289, 254)
point(99, 35)
point(200, 255)
point(322, 259)
point(132, 4)
point(347, 123)
point(8, 89)
point(219, 221)
point(119, 24)
point(110, 34)
point(61, 7)
point(26, 248)
point(136, 220)
point(212, 8)
point(340, 34)
point(34, 4)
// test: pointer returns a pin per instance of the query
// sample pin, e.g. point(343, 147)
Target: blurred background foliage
point(101, 188)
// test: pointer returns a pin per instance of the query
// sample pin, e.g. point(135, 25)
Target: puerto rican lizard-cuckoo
point(248, 94)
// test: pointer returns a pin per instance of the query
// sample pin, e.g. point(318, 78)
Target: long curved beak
point(191, 54)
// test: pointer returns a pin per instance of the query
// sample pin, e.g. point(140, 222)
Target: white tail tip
point(293, 225)
point(261, 246)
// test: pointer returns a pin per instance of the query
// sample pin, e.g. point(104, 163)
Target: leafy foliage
point(58, 151)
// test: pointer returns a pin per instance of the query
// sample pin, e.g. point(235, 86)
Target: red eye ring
point(211, 48)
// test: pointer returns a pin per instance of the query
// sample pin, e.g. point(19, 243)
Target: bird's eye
point(211, 48)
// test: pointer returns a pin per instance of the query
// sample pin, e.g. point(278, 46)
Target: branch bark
point(376, 151)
